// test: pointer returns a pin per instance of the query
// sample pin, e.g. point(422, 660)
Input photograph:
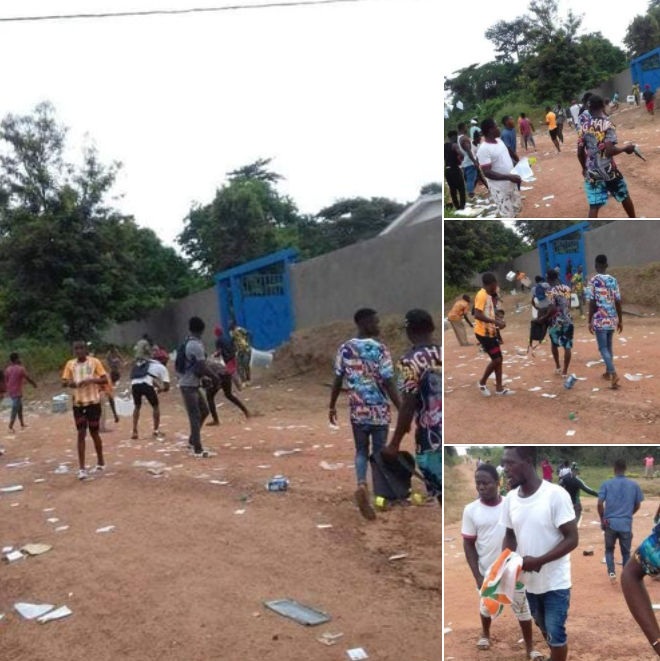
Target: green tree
point(533, 230)
point(643, 34)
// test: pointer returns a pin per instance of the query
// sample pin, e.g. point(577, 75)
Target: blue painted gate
point(564, 249)
point(645, 69)
point(257, 295)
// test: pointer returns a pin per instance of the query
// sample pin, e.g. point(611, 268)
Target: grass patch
point(594, 476)
point(456, 494)
point(38, 357)
point(640, 284)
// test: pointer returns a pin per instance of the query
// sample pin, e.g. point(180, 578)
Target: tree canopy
point(643, 33)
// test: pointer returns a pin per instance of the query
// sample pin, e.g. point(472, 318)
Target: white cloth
point(575, 113)
point(483, 522)
point(156, 370)
point(497, 156)
point(535, 521)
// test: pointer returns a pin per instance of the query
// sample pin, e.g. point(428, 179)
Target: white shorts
point(507, 200)
point(519, 606)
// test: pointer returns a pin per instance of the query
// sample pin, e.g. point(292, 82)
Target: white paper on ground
point(61, 528)
point(633, 377)
point(36, 549)
point(57, 614)
point(398, 556)
point(239, 511)
point(53, 520)
point(220, 482)
point(282, 453)
point(12, 556)
point(535, 389)
point(105, 529)
point(12, 489)
point(30, 611)
point(545, 394)
point(7, 549)
point(357, 653)
point(323, 526)
point(570, 432)
point(328, 466)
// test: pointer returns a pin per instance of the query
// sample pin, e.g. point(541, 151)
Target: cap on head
point(419, 321)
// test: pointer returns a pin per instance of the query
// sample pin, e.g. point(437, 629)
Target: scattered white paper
point(328, 466)
point(545, 394)
point(31, 611)
point(12, 489)
point(633, 377)
point(105, 529)
point(548, 197)
point(398, 556)
point(570, 432)
point(324, 526)
point(61, 528)
point(13, 556)
point(239, 512)
point(220, 482)
point(57, 614)
point(535, 389)
point(282, 453)
point(53, 520)
point(7, 549)
point(357, 654)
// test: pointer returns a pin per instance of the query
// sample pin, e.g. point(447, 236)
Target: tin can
point(571, 379)
point(278, 483)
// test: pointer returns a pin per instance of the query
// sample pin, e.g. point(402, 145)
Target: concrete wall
point(621, 83)
point(391, 273)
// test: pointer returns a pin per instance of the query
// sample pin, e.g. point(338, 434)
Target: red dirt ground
point(182, 577)
point(599, 624)
point(628, 415)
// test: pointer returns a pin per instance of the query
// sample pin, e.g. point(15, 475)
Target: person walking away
point(241, 337)
point(551, 121)
point(85, 375)
point(575, 113)
point(191, 366)
point(635, 92)
point(483, 534)
point(509, 137)
point(474, 127)
point(546, 469)
point(597, 141)
point(469, 163)
point(108, 390)
point(496, 163)
point(486, 325)
point(457, 314)
point(526, 131)
point(224, 355)
point(577, 288)
point(605, 315)
point(143, 347)
point(540, 525)
point(15, 376)
point(365, 365)
point(454, 171)
point(560, 115)
point(148, 379)
point(618, 500)
point(648, 465)
point(421, 399)
point(573, 485)
point(114, 364)
point(649, 100)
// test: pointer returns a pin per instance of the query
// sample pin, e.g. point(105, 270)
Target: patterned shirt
point(593, 133)
point(420, 375)
point(76, 371)
point(240, 337)
point(603, 289)
point(578, 282)
point(560, 297)
point(366, 364)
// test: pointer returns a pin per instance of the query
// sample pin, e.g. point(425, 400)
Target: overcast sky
point(609, 18)
point(345, 98)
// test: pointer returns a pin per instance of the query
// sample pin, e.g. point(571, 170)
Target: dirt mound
point(640, 285)
point(313, 349)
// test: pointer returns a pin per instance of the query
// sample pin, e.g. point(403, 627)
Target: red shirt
point(14, 377)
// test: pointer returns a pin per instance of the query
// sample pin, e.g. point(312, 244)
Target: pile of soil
point(640, 285)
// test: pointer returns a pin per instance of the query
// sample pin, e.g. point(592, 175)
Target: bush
point(37, 356)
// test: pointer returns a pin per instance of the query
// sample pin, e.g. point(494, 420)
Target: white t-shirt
point(535, 521)
point(497, 156)
point(482, 522)
point(575, 113)
point(156, 370)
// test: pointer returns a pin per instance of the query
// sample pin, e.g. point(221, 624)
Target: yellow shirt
point(551, 118)
point(75, 371)
point(458, 310)
point(484, 302)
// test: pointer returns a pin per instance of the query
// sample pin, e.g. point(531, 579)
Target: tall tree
point(643, 33)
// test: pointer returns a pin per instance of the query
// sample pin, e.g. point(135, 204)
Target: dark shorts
point(553, 133)
point(114, 377)
point(141, 390)
point(561, 335)
point(537, 332)
point(87, 416)
point(491, 345)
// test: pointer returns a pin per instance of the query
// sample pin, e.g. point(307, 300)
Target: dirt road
point(182, 577)
point(599, 624)
point(628, 415)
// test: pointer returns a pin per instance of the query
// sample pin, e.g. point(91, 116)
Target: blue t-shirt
point(509, 138)
point(621, 496)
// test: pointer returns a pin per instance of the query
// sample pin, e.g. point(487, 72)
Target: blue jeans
point(470, 174)
point(604, 339)
point(550, 611)
point(362, 433)
point(625, 542)
point(16, 411)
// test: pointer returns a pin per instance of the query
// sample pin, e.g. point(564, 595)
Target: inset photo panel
point(551, 552)
point(552, 331)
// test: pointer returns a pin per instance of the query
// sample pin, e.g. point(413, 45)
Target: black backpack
point(140, 369)
point(181, 363)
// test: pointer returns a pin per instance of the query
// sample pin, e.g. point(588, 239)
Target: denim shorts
point(550, 611)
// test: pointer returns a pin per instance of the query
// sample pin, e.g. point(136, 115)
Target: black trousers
point(456, 183)
point(225, 385)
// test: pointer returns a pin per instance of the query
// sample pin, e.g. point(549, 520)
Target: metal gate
point(564, 250)
point(257, 296)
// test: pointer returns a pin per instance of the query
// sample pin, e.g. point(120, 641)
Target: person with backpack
point(148, 378)
point(191, 366)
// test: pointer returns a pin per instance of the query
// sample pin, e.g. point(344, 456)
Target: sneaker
point(557, 370)
point(612, 577)
point(204, 454)
point(159, 436)
point(505, 392)
point(99, 468)
point(484, 390)
point(362, 500)
point(82, 474)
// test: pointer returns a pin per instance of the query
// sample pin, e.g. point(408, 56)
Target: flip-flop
point(536, 656)
point(483, 643)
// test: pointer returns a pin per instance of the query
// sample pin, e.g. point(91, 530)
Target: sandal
point(536, 656)
point(483, 643)
point(504, 392)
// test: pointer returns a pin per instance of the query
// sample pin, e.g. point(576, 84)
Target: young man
point(114, 363)
point(509, 137)
point(457, 314)
point(648, 465)
point(191, 367)
point(497, 161)
point(575, 113)
point(605, 315)
point(241, 338)
point(86, 375)
point(540, 301)
point(560, 115)
point(526, 130)
point(649, 99)
point(15, 377)
point(547, 470)
point(147, 380)
point(551, 121)
point(573, 485)
point(635, 93)
point(597, 141)
point(560, 322)
point(482, 544)
point(454, 171)
point(421, 400)
point(540, 525)
point(618, 499)
point(366, 366)
point(469, 163)
point(486, 325)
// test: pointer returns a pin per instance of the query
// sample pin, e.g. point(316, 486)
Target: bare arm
point(29, 379)
point(334, 396)
point(612, 150)
point(467, 146)
point(619, 312)
point(639, 602)
point(393, 392)
point(470, 550)
point(403, 423)
point(509, 541)
point(498, 176)
point(547, 313)
point(601, 508)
